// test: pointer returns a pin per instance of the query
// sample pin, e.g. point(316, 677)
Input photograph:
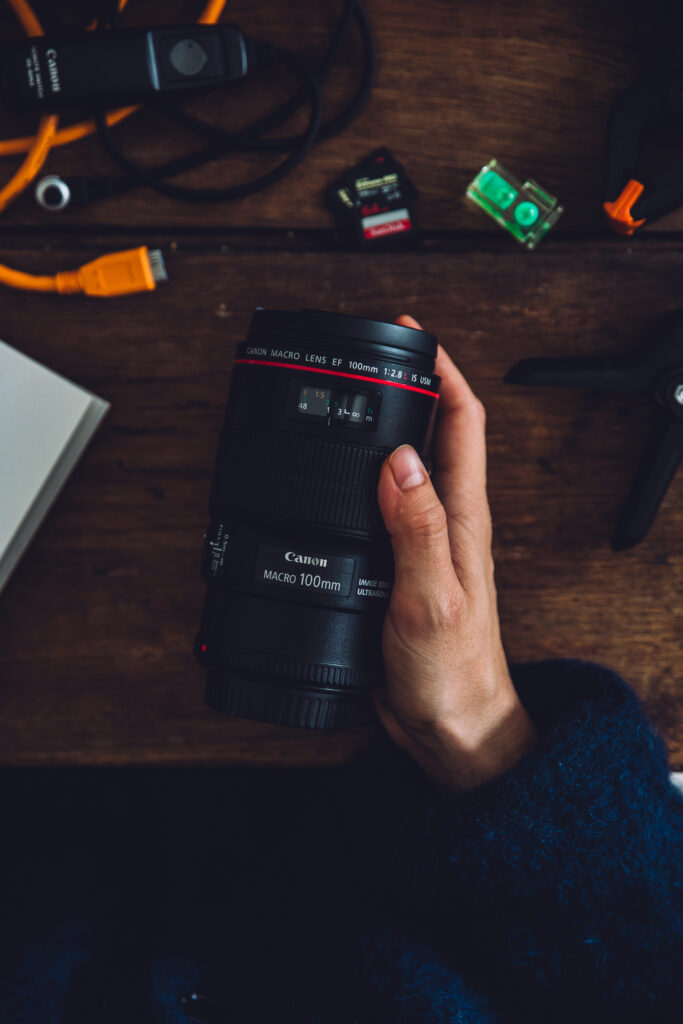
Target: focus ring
point(343, 677)
point(271, 703)
point(294, 477)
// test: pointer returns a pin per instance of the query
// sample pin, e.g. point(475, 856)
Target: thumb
point(416, 522)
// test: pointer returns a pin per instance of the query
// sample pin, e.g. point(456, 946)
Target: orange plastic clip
point(619, 212)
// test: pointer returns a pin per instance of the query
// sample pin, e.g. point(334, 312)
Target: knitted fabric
point(551, 894)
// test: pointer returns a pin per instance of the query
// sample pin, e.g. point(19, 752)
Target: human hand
point(448, 699)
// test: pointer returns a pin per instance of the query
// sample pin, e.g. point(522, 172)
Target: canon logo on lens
point(292, 556)
point(317, 401)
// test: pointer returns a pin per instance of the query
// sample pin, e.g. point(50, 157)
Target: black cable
point(282, 113)
point(154, 177)
point(251, 138)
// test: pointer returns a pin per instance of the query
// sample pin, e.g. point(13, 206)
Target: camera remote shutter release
point(187, 57)
point(51, 73)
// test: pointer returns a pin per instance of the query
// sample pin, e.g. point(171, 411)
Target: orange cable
point(211, 12)
point(26, 282)
point(116, 273)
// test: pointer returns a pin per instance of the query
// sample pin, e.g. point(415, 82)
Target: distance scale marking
point(333, 405)
point(215, 549)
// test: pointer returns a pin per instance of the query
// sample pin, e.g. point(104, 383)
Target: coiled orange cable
point(104, 276)
point(49, 134)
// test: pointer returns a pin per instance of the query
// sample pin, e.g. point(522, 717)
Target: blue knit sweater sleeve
point(557, 888)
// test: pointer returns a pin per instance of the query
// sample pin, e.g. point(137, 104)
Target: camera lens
point(296, 559)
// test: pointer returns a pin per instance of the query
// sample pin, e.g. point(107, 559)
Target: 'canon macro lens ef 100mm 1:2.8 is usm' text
point(296, 559)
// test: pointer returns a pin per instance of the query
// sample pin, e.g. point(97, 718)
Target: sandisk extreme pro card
point(373, 202)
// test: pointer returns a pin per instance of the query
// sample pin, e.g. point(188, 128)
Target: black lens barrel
point(333, 327)
point(313, 481)
point(297, 561)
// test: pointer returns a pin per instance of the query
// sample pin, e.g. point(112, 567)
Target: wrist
point(464, 752)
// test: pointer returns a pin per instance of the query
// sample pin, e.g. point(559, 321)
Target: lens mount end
point(280, 705)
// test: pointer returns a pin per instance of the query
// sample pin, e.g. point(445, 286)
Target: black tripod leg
point(654, 475)
point(580, 373)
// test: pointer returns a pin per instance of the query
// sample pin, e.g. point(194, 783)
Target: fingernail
point(406, 465)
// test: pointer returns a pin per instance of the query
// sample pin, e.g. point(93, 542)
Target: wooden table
point(96, 625)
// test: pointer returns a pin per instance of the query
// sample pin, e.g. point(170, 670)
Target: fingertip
point(404, 320)
point(443, 364)
point(407, 467)
point(455, 388)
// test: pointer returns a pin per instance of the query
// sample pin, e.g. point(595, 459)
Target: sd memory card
point(373, 202)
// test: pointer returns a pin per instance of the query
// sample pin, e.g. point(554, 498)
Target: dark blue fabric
point(551, 894)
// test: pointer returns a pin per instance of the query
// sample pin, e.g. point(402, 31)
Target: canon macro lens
point(296, 559)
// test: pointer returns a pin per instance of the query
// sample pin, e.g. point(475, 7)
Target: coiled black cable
point(155, 177)
point(254, 138)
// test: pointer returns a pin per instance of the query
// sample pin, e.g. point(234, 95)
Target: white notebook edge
point(52, 486)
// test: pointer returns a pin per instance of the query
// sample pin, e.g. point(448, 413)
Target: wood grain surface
point(97, 623)
point(457, 83)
